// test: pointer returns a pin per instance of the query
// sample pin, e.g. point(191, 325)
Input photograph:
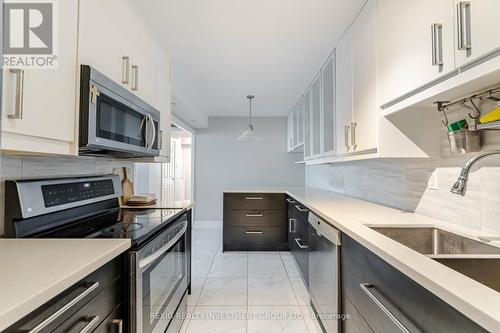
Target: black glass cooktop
point(137, 225)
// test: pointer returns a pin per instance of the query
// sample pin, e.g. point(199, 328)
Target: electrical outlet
point(433, 182)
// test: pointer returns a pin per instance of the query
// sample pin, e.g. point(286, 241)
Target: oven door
point(161, 280)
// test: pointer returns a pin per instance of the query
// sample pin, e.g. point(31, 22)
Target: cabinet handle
point(299, 243)
point(291, 201)
point(254, 215)
point(254, 198)
point(291, 225)
point(366, 288)
point(125, 70)
point(300, 209)
point(464, 25)
point(135, 72)
point(253, 232)
point(437, 44)
point(88, 328)
point(161, 139)
point(353, 135)
point(19, 96)
point(65, 308)
point(346, 137)
point(118, 323)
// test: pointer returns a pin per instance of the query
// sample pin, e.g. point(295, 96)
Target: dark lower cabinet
point(378, 296)
point(254, 222)
point(94, 304)
point(298, 235)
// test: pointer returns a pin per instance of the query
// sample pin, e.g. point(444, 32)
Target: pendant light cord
point(250, 101)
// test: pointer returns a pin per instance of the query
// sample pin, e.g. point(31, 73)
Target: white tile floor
point(245, 291)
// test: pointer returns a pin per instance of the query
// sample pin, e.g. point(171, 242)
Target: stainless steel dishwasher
point(324, 275)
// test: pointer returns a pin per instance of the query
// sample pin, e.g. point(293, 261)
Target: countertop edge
point(19, 311)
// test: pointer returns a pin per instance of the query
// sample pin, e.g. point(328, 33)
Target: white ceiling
point(223, 50)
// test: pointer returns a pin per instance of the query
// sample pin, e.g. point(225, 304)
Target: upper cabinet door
point(307, 124)
point(289, 132)
point(343, 88)
point(478, 33)
point(416, 44)
point(364, 73)
point(45, 101)
point(300, 121)
point(316, 115)
point(328, 120)
point(102, 44)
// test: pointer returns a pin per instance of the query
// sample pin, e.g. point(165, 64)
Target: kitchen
point(186, 166)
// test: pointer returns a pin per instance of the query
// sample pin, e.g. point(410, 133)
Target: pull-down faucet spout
point(460, 187)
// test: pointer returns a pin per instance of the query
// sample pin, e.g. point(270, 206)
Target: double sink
point(472, 258)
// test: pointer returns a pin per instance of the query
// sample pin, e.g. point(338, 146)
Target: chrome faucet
point(460, 187)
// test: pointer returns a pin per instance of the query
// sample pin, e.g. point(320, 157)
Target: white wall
point(223, 161)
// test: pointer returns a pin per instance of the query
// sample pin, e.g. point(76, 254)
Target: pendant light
point(249, 133)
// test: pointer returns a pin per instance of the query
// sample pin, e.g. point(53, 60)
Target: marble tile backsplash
point(404, 184)
point(13, 167)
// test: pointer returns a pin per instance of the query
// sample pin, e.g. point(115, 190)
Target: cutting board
point(127, 186)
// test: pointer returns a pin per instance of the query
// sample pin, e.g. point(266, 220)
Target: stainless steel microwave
point(114, 121)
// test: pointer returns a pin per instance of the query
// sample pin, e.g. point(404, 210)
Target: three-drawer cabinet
point(254, 222)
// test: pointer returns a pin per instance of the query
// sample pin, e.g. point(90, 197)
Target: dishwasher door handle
point(299, 243)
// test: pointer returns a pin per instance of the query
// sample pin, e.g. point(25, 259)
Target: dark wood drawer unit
point(254, 201)
point(253, 238)
point(378, 291)
point(83, 306)
point(269, 218)
point(254, 222)
point(298, 235)
point(355, 323)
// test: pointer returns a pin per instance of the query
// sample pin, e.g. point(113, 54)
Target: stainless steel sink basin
point(472, 258)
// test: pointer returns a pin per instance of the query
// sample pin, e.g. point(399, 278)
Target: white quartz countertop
point(33, 271)
point(353, 216)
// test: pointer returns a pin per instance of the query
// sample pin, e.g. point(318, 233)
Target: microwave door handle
point(145, 262)
point(145, 122)
point(153, 127)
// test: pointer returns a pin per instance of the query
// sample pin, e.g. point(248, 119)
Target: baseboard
point(207, 224)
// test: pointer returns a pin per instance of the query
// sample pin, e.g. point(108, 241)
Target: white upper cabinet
point(343, 89)
point(39, 106)
point(478, 32)
point(416, 44)
point(328, 115)
point(307, 124)
point(300, 121)
point(126, 53)
point(364, 79)
point(316, 115)
point(295, 128)
point(289, 131)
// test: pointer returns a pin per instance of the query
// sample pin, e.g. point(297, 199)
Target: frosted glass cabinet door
point(300, 116)
point(295, 121)
point(289, 132)
point(316, 115)
point(307, 124)
point(343, 88)
point(328, 121)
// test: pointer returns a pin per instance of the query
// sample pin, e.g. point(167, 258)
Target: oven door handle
point(145, 262)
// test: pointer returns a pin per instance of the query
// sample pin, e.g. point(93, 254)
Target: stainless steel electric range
point(87, 207)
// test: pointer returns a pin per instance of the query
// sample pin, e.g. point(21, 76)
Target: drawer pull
point(253, 232)
point(65, 308)
point(254, 215)
point(291, 201)
point(300, 209)
point(118, 323)
point(291, 225)
point(366, 288)
point(254, 198)
point(299, 243)
point(89, 327)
